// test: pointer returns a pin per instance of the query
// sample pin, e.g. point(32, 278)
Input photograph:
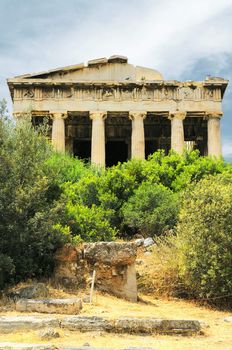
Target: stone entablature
point(120, 91)
point(110, 90)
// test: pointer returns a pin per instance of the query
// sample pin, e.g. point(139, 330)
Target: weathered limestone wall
point(113, 262)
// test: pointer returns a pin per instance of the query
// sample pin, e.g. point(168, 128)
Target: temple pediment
point(115, 68)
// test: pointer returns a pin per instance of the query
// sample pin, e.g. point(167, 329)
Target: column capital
point(210, 115)
point(177, 115)
point(97, 115)
point(58, 115)
point(133, 115)
point(18, 115)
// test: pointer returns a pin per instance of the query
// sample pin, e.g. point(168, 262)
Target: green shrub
point(66, 168)
point(152, 209)
point(176, 171)
point(204, 238)
point(7, 269)
point(89, 224)
point(28, 206)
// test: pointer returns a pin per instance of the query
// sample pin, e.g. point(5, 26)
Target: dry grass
point(155, 271)
point(217, 337)
point(158, 272)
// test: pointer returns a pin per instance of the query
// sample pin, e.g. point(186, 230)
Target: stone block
point(59, 306)
point(117, 59)
point(113, 253)
point(25, 346)
point(98, 61)
point(86, 324)
point(152, 326)
point(9, 324)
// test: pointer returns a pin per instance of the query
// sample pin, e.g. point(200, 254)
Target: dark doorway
point(116, 151)
point(150, 147)
point(82, 149)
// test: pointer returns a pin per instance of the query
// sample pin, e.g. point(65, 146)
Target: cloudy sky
point(184, 39)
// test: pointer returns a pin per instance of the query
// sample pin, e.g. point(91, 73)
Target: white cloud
point(167, 35)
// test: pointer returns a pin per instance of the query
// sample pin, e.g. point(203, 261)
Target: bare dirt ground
point(217, 336)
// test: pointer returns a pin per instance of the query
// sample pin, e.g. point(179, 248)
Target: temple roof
point(114, 68)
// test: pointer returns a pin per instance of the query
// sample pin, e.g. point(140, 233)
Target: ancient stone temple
point(110, 110)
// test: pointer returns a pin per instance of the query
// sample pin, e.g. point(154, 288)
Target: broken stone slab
point(26, 346)
point(86, 324)
point(113, 253)
point(132, 325)
point(10, 324)
point(59, 306)
point(151, 326)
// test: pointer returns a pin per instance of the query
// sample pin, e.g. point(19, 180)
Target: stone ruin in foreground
point(113, 262)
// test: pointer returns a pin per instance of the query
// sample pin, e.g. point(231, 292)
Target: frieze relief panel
point(139, 93)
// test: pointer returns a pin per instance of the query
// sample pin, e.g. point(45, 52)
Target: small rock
point(148, 242)
point(228, 319)
point(86, 344)
point(86, 299)
point(49, 333)
point(139, 242)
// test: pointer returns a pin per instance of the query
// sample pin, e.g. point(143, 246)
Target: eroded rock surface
point(91, 324)
point(36, 290)
point(113, 253)
point(50, 306)
point(113, 262)
point(10, 324)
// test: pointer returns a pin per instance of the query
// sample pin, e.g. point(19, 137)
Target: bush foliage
point(28, 207)
point(151, 210)
point(204, 238)
point(47, 199)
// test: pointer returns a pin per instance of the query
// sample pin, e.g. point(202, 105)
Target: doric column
point(137, 136)
point(177, 131)
point(214, 134)
point(98, 137)
point(58, 131)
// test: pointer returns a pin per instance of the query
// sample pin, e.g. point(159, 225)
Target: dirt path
point(217, 336)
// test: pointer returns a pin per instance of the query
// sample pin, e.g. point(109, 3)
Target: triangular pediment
point(115, 68)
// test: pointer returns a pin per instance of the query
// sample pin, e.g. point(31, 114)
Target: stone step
point(25, 346)
point(10, 324)
point(70, 306)
point(87, 324)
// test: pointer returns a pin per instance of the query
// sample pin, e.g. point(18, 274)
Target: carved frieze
point(48, 93)
point(29, 93)
point(120, 93)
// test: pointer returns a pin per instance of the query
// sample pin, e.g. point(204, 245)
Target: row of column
point(137, 136)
